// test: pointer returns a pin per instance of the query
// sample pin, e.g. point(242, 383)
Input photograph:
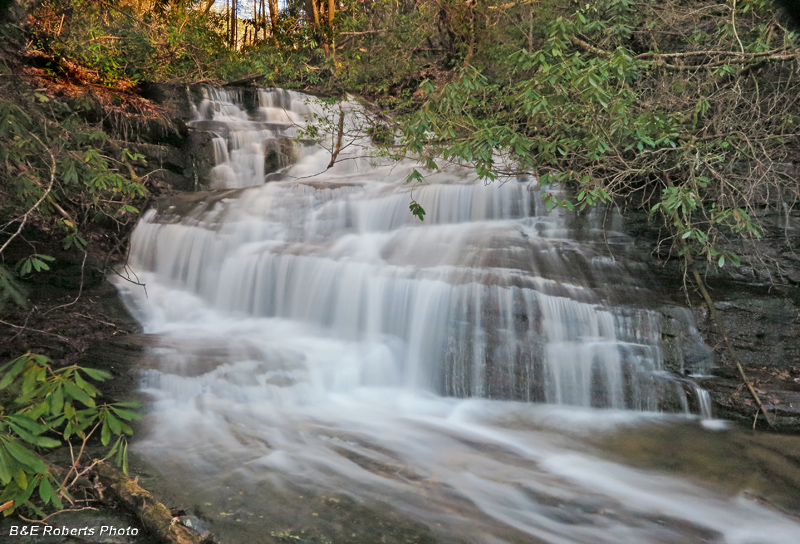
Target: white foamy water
point(314, 333)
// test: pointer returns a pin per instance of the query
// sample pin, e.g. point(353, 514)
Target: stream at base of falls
point(326, 368)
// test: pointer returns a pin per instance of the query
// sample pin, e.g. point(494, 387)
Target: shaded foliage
point(690, 107)
point(59, 174)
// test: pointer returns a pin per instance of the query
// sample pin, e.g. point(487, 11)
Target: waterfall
point(491, 296)
point(309, 333)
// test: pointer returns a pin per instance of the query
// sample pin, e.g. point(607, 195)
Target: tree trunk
point(315, 13)
point(234, 26)
point(331, 13)
point(273, 17)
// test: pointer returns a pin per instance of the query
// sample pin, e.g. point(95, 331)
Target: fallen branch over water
point(155, 517)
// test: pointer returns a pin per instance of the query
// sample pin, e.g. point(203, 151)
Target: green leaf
point(105, 433)
point(17, 365)
point(57, 401)
point(24, 456)
point(35, 440)
point(45, 442)
point(721, 261)
point(38, 410)
point(80, 382)
point(115, 447)
point(114, 424)
point(417, 210)
point(26, 422)
point(45, 490)
point(5, 467)
point(23, 497)
point(21, 477)
point(95, 374)
point(55, 501)
point(129, 404)
point(36, 510)
point(127, 415)
point(78, 394)
point(414, 176)
point(120, 451)
point(30, 382)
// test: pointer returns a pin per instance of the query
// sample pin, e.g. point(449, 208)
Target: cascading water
point(313, 332)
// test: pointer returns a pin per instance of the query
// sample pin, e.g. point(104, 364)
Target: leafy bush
point(609, 102)
point(57, 173)
point(42, 407)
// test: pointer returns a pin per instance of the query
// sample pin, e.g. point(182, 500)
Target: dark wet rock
point(758, 302)
point(174, 98)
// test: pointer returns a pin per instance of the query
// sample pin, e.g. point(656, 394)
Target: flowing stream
point(328, 368)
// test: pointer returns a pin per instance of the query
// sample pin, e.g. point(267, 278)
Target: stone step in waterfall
point(491, 296)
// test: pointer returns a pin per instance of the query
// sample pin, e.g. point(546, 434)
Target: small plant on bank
point(42, 407)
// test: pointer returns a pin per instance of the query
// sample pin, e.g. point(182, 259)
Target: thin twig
point(23, 327)
point(44, 519)
point(84, 472)
point(128, 279)
point(62, 338)
point(338, 147)
point(95, 319)
point(723, 331)
point(80, 289)
point(27, 214)
point(78, 459)
point(126, 14)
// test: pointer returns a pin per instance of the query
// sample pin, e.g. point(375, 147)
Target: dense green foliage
point(121, 43)
point(57, 172)
point(42, 407)
point(688, 106)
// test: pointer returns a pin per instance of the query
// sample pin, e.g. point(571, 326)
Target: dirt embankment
point(72, 306)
